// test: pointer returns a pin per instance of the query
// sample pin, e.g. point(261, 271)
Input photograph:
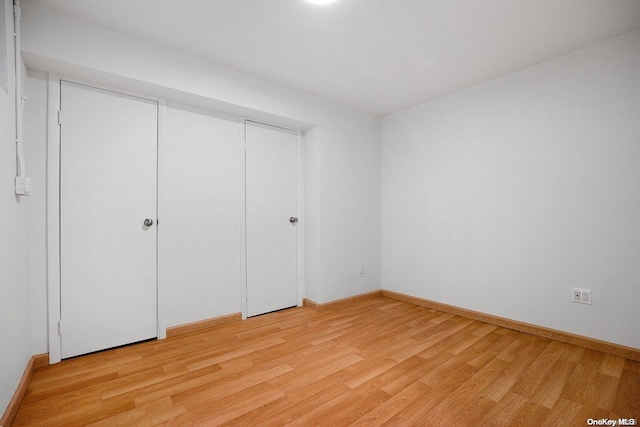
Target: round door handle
point(148, 222)
point(293, 220)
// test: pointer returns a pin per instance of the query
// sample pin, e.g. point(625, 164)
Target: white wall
point(342, 185)
point(35, 136)
point(311, 219)
point(501, 197)
point(4, 55)
point(349, 202)
point(15, 330)
point(199, 254)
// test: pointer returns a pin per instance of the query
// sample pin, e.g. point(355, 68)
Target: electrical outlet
point(580, 295)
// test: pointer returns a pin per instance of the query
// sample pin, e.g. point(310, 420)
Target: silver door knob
point(148, 222)
point(293, 220)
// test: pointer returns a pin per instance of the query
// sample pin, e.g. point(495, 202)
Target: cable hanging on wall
point(22, 181)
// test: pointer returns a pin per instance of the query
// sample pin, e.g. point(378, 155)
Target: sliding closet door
point(108, 180)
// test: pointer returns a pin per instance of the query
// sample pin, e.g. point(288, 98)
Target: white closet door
point(108, 179)
point(271, 175)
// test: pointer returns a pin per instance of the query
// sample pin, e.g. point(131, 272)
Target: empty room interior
point(319, 212)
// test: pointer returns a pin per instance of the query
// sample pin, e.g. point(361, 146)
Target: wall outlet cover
point(581, 295)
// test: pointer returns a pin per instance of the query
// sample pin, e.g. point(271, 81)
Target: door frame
point(299, 212)
point(53, 203)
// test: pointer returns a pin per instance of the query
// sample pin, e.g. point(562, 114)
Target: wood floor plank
point(607, 393)
point(533, 377)
point(134, 415)
point(371, 372)
point(632, 365)
point(307, 380)
point(163, 418)
point(581, 386)
point(242, 407)
point(612, 365)
point(409, 376)
point(563, 413)
point(188, 381)
point(531, 415)
point(627, 401)
point(292, 407)
point(392, 406)
point(350, 409)
point(235, 384)
point(418, 411)
point(503, 383)
point(504, 411)
point(376, 362)
point(389, 376)
point(549, 390)
point(514, 349)
point(488, 348)
point(466, 402)
point(256, 347)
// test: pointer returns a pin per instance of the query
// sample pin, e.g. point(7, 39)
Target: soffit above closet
point(380, 56)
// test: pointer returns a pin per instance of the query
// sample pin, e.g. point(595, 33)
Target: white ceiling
point(377, 55)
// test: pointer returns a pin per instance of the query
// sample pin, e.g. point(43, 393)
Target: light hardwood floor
point(378, 361)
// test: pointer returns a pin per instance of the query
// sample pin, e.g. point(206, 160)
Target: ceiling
point(380, 56)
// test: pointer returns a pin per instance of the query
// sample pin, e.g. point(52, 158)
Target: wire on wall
point(22, 182)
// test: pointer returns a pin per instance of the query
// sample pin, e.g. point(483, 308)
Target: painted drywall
point(199, 253)
point(313, 278)
point(349, 223)
point(501, 197)
point(15, 333)
point(4, 69)
point(35, 135)
point(69, 46)
point(342, 187)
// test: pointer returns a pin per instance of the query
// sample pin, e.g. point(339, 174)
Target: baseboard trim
point(310, 304)
point(331, 305)
point(579, 340)
point(37, 361)
point(202, 325)
point(40, 360)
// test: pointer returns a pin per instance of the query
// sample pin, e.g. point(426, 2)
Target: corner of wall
point(15, 335)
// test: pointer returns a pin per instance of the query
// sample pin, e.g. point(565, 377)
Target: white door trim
point(53, 217)
point(53, 203)
point(300, 214)
point(243, 218)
